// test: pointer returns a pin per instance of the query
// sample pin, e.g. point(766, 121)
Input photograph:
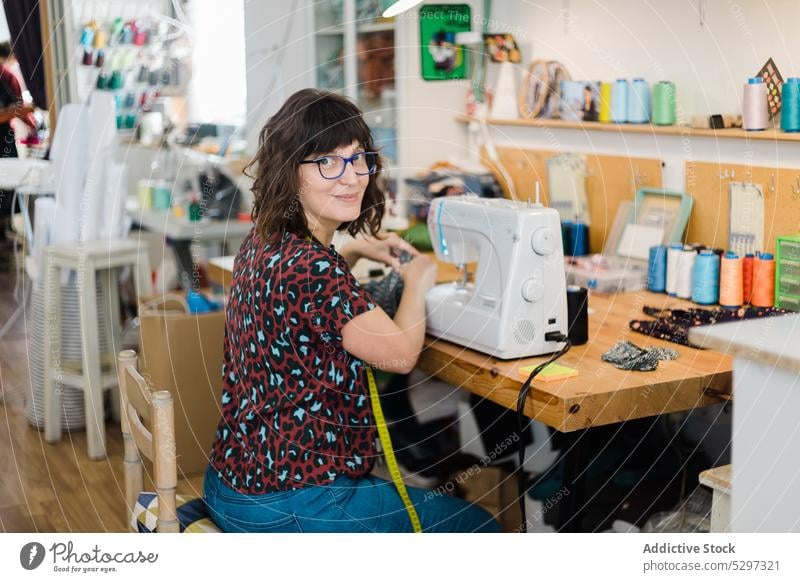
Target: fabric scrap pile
point(628, 356)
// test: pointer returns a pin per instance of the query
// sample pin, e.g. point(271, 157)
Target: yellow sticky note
point(551, 373)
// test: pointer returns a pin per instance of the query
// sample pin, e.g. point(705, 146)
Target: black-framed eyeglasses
point(333, 167)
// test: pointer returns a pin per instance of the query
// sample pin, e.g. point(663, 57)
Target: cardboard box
point(182, 353)
point(495, 490)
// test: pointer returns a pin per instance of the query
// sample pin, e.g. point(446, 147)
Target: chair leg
point(113, 327)
point(92, 377)
point(141, 272)
point(52, 349)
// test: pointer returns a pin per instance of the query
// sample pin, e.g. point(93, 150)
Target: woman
point(11, 107)
point(296, 443)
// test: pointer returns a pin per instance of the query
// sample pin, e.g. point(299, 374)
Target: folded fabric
point(673, 324)
point(627, 356)
point(387, 292)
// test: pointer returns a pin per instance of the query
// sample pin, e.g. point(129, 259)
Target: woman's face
point(329, 203)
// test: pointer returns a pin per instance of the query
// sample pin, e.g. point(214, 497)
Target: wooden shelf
point(768, 135)
point(383, 26)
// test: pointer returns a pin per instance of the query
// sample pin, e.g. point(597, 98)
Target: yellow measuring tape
point(388, 451)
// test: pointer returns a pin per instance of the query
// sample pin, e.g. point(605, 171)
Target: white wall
point(427, 130)
point(4, 33)
point(625, 38)
point(279, 56)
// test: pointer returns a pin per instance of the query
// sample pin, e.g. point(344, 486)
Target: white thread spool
point(685, 270)
point(755, 111)
point(673, 254)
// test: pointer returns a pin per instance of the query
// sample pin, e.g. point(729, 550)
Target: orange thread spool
point(731, 290)
point(747, 275)
point(763, 281)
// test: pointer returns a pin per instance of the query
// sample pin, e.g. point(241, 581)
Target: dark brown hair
point(310, 122)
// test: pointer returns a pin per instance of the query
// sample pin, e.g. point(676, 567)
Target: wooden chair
point(162, 511)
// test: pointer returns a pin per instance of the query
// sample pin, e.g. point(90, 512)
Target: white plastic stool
point(88, 259)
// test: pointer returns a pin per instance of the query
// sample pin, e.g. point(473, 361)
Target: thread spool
point(664, 108)
point(580, 239)
point(763, 281)
point(578, 315)
point(657, 269)
point(705, 278)
point(683, 286)
point(790, 105)
point(87, 37)
point(619, 101)
point(639, 102)
point(673, 256)
point(571, 104)
point(605, 103)
point(731, 290)
point(747, 279)
point(755, 112)
point(100, 39)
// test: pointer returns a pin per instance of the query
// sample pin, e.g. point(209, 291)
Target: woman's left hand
point(385, 250)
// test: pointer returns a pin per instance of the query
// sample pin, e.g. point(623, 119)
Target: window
point(218, 88)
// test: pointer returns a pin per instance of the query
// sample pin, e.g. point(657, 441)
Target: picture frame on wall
point(441, 58)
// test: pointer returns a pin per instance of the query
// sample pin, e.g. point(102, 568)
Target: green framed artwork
point(441, 58)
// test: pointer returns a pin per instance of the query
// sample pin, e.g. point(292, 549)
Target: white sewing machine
point(519, 293)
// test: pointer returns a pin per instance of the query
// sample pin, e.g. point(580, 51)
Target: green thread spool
point(605, 103)
point(664, 103)
point(790, 105)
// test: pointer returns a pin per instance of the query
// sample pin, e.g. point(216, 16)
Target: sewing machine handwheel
point(543, 241)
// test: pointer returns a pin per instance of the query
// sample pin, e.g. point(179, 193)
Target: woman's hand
point(419, 274)
point(23, 110)
point(385, 250)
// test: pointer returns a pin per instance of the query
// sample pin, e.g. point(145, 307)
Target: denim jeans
point(365, 505)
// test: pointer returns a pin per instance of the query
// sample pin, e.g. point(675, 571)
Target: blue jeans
point(365, 505)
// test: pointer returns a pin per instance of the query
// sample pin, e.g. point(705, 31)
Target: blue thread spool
point(705, 278)
point(639, 102)
point(619, 101)
point(87, 37)
point(566, 237)
point(790, 105)
point(571, 104)
point(576, 238)
point(580, 239)
point(657, 269)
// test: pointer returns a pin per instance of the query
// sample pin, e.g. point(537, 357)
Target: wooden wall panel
point(610, 180)
point(709, 182)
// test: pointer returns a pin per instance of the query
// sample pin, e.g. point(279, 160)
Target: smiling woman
point(308, 126)
point(296, 443)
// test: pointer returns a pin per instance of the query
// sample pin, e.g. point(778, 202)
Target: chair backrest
point(140, 404)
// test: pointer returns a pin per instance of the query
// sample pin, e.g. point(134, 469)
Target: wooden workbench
point(601, 394)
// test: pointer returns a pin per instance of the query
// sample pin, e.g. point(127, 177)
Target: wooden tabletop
point(600, 394)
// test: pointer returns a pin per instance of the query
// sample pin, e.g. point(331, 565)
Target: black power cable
point(521, 398)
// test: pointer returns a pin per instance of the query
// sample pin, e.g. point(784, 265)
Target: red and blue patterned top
point(295, 405)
